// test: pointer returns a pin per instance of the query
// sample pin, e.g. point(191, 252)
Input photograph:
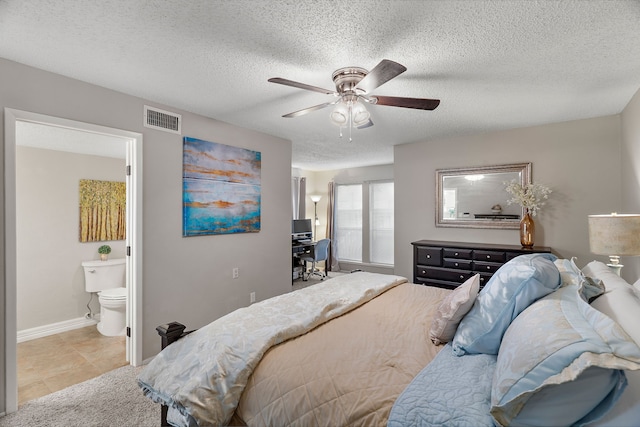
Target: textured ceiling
point(494, 64)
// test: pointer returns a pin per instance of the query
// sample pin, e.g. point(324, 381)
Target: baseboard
point(54, 328)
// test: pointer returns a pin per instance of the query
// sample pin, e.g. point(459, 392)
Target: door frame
point(133, 239)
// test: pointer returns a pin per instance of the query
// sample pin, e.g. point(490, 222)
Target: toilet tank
point(101, 275)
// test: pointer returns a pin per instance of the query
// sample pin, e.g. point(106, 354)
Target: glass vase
point(527, 230)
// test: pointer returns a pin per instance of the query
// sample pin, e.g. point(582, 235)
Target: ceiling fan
point(354, 84)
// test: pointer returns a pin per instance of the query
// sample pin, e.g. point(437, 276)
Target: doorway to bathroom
point(62, 138)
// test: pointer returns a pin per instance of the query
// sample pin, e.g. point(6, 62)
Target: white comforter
point(203, 375)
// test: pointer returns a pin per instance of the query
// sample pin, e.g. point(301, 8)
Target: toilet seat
point(114, 294)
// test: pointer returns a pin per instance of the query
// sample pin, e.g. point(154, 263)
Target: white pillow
point(599, 270)
point(452, 309)
point(621, 301)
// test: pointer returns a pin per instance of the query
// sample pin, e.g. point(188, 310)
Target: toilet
point(107, 278)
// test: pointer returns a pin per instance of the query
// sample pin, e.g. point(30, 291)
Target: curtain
point(302, 197)
point(332, 265)
point(295, 198)
point(102, 210)
point(298, 194)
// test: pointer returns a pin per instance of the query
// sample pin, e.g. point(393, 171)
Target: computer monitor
point(300, 226)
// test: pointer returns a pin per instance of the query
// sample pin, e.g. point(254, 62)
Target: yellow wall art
point(102, 210)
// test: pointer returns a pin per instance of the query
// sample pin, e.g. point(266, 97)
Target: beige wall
point(630, 158)
point(50, 285)
point(579, 160)
point(185, 279)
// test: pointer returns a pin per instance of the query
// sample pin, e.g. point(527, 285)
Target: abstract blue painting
point(220, 188)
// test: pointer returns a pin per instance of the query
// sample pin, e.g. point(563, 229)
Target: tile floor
point(49, 364)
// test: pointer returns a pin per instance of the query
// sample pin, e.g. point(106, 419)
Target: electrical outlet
point(252, 297)
point(236, 273)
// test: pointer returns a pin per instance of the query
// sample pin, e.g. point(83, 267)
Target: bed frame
point(170, 333)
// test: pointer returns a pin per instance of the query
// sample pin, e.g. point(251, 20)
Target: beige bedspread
point(348, 371)
point(202, 376)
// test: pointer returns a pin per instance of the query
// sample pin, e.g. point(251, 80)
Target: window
point(349, 222)
point(449, 203)
point(381, 222)
point(364, 222)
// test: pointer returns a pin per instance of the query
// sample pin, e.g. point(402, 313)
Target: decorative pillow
point(590, 288)
point(511, 289)
point(452, 309)
point(561, 353)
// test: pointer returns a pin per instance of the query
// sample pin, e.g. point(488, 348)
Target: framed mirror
point(476, 197)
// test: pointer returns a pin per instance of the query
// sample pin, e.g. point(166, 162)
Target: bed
point(370, 349)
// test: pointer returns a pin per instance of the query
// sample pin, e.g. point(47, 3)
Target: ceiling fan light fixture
point(349, 113)
point(359, 114)
point(340, 115)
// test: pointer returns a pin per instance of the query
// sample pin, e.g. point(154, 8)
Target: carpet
point(314, 280)
point(112, 399)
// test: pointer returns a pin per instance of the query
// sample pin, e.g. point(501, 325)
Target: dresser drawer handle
point(428, 256)
point(424, 272)
point(488, 267)
point(456, 264)
point(456, 254)
point(461, 276)
point(488, 256)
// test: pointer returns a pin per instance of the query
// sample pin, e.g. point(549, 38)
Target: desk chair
point(320, 253)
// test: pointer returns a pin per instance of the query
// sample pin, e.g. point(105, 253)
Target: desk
point(297, 250)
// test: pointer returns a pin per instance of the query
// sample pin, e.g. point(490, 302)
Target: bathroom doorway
point(129, 145)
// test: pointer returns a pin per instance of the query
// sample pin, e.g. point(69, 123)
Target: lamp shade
point(340, 115)
point(360, 115)
point(615, 234)
point(315, 198)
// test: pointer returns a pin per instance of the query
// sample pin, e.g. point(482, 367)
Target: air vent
point(167, 121)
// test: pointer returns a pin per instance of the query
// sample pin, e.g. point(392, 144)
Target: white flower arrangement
point(531, 196)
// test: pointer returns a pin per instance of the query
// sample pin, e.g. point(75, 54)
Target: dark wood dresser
point(449, 264)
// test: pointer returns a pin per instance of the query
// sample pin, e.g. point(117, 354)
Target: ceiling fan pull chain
point(350, 121)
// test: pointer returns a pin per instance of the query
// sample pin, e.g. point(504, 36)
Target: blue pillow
point(561, 353)
point(512, 288)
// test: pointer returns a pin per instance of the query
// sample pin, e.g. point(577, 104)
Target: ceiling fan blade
point(366, 125)
point(381, 73)
point(286, 82)
point(310, 109)
point(417, 103)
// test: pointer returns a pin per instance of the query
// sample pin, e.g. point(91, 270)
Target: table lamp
point(614, 235)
